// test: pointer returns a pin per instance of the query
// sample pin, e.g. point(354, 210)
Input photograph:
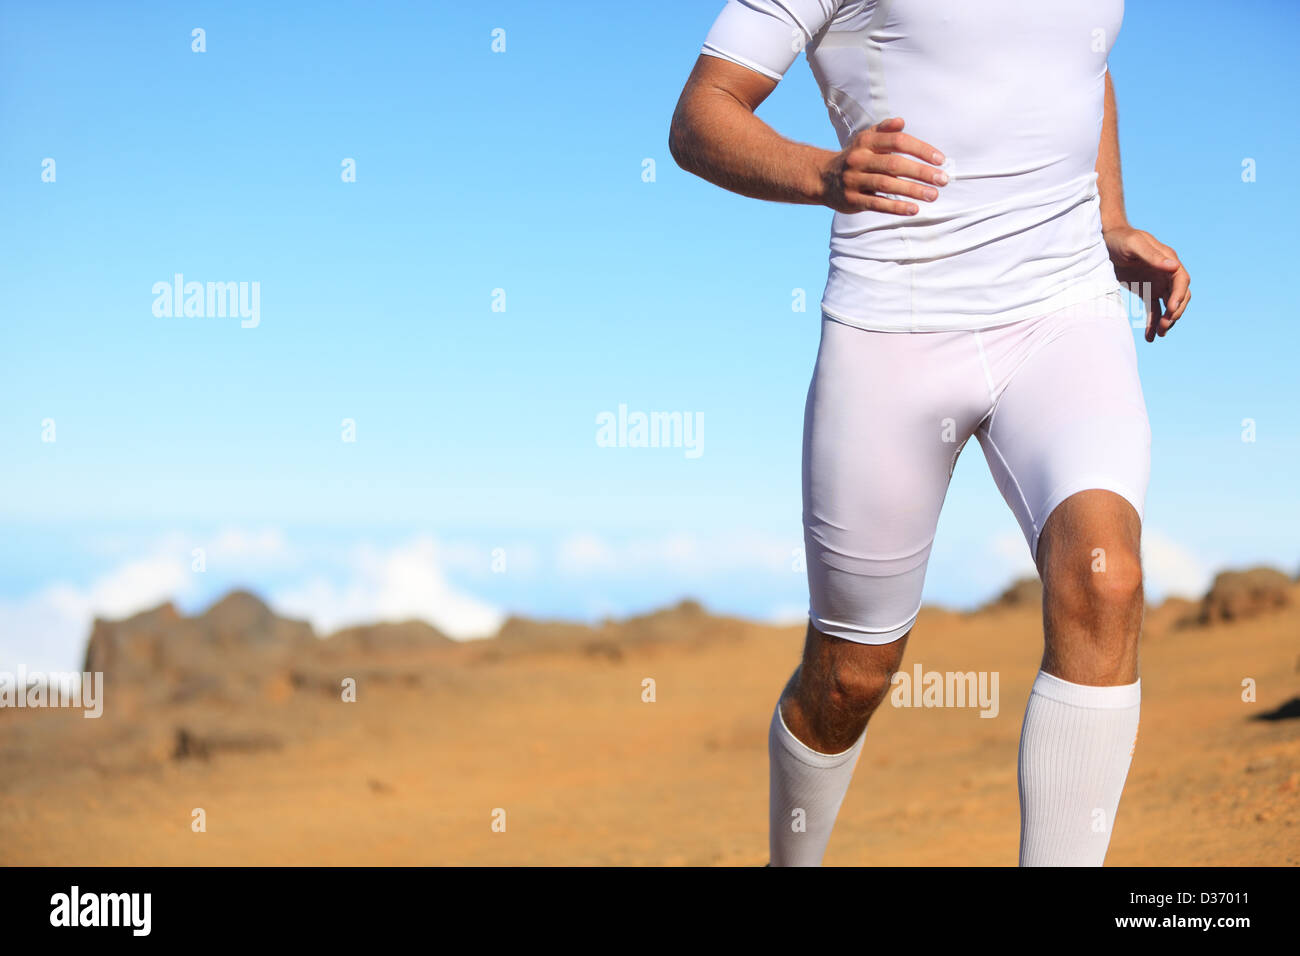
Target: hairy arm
point(716, 135)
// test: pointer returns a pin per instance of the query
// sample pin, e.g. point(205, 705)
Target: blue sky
point(475, 428)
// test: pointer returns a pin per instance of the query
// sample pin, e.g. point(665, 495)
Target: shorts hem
point(1093, 484)
point(862, 635)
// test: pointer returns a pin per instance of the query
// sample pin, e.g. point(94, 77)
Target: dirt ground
point(556, 734)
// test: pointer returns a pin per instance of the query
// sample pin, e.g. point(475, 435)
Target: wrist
point(1114, 221)
point(817, 185)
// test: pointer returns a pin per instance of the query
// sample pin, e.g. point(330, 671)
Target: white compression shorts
point(1054, 400)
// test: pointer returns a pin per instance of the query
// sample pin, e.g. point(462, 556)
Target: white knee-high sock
point(806, 790)
point(1075, 749)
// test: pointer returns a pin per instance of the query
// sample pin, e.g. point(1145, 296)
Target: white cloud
point(1010, 549)
point(48, 630)
point(1006, 559)
point(1171, 569)
point(1168, 567)
point(393, 585)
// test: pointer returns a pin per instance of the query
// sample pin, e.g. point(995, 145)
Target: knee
point(1117, 586)
point(855, 690)
point(1108, 588)
point(836, 688)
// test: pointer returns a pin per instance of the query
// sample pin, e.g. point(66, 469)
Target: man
point(973, 290)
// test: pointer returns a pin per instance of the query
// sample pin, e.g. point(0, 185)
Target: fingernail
point(1169, 263)
point(937, 157)
point(942, 178)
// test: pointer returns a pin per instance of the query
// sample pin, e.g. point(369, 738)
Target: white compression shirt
point(1011, 92)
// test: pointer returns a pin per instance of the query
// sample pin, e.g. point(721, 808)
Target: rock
point(227, 651)
point(1024, 593)
point(387, 636)
point(1237, 595)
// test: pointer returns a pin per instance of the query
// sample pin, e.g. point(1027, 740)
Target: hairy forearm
point(1110, 184)
point(718, 138)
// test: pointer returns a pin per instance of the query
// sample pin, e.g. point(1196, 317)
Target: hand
point(1151, 270)
point(874, 162)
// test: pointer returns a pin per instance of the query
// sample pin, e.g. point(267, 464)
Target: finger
point(893, 124)
point(895, 164)
point(899, 142)
point(1178, 292)
point(1172, 315)
point(875, 183)
point(1166, 320)
point(865, 160)
point(1151, 300)
point(865, 202)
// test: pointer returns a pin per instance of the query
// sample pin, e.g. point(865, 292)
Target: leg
point(1089, 560)
point(1081, 722)
point(816, 735)
point(836, 688)
point(886, 416)
point(1069, 445)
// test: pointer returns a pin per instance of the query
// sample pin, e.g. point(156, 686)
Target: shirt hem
point(952, 322)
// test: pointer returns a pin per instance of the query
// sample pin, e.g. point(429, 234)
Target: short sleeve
point(766, 35)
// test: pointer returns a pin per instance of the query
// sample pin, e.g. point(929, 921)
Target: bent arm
point(716, 136)
point(1145, 264)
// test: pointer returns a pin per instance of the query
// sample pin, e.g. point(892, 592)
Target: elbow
point(679, 138)
point(675, 147)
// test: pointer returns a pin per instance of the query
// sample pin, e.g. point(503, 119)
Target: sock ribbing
point(805, 793)
point(1075, 749)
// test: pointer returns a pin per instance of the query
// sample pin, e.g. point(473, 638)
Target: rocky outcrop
point(1024, 593)
point(1238, 595)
